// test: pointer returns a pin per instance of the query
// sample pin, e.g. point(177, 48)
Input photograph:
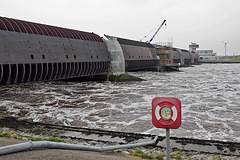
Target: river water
point(209, 93)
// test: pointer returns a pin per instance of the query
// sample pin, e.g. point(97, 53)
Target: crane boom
point(157, 31)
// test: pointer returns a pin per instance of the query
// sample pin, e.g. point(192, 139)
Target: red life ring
point(166, 114)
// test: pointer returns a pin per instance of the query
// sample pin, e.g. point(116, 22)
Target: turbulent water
point(210, 96)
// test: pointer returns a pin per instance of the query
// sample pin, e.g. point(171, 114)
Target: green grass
point(160, 156)
point(177, 156)
point(143, 155)
point(8, 135)
point(36, 139)
point(217, 158)
point(52, 139)
point(139, 152)
point(146, 156)
point(235, 59)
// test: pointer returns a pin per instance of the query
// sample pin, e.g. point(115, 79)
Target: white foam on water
point(209, 94)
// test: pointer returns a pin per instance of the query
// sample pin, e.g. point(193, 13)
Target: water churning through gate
point(210, 96)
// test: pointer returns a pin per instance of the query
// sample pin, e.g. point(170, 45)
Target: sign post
point(166, 113)
point(168, 144)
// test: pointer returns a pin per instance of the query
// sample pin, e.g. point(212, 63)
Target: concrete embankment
point(220, 61)
point(105, 138)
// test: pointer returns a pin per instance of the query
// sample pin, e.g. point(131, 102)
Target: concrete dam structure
point(32, 52)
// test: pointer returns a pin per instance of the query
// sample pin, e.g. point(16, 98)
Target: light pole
point(225, 44)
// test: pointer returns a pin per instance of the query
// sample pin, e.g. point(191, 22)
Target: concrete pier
point(117, 64)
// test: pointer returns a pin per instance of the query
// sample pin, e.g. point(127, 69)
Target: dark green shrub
point(8, 135)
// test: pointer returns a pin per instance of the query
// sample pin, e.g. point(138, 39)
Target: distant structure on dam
point(32, 52)
point(175, 57)
point(203, 54)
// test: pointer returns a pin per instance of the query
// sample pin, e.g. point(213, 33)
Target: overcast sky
point(206, 22)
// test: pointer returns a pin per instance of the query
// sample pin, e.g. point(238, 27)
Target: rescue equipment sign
point(166, 112)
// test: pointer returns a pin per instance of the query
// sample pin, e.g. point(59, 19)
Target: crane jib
point(157, 31)
point(164, 22)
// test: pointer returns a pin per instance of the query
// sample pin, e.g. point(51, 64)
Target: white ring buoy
point(174, 117)
point(173, 108)
point(157, 114)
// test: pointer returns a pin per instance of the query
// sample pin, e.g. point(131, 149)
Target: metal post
point(167, 144)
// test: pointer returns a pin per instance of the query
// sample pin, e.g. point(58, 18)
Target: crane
point(156, 31)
